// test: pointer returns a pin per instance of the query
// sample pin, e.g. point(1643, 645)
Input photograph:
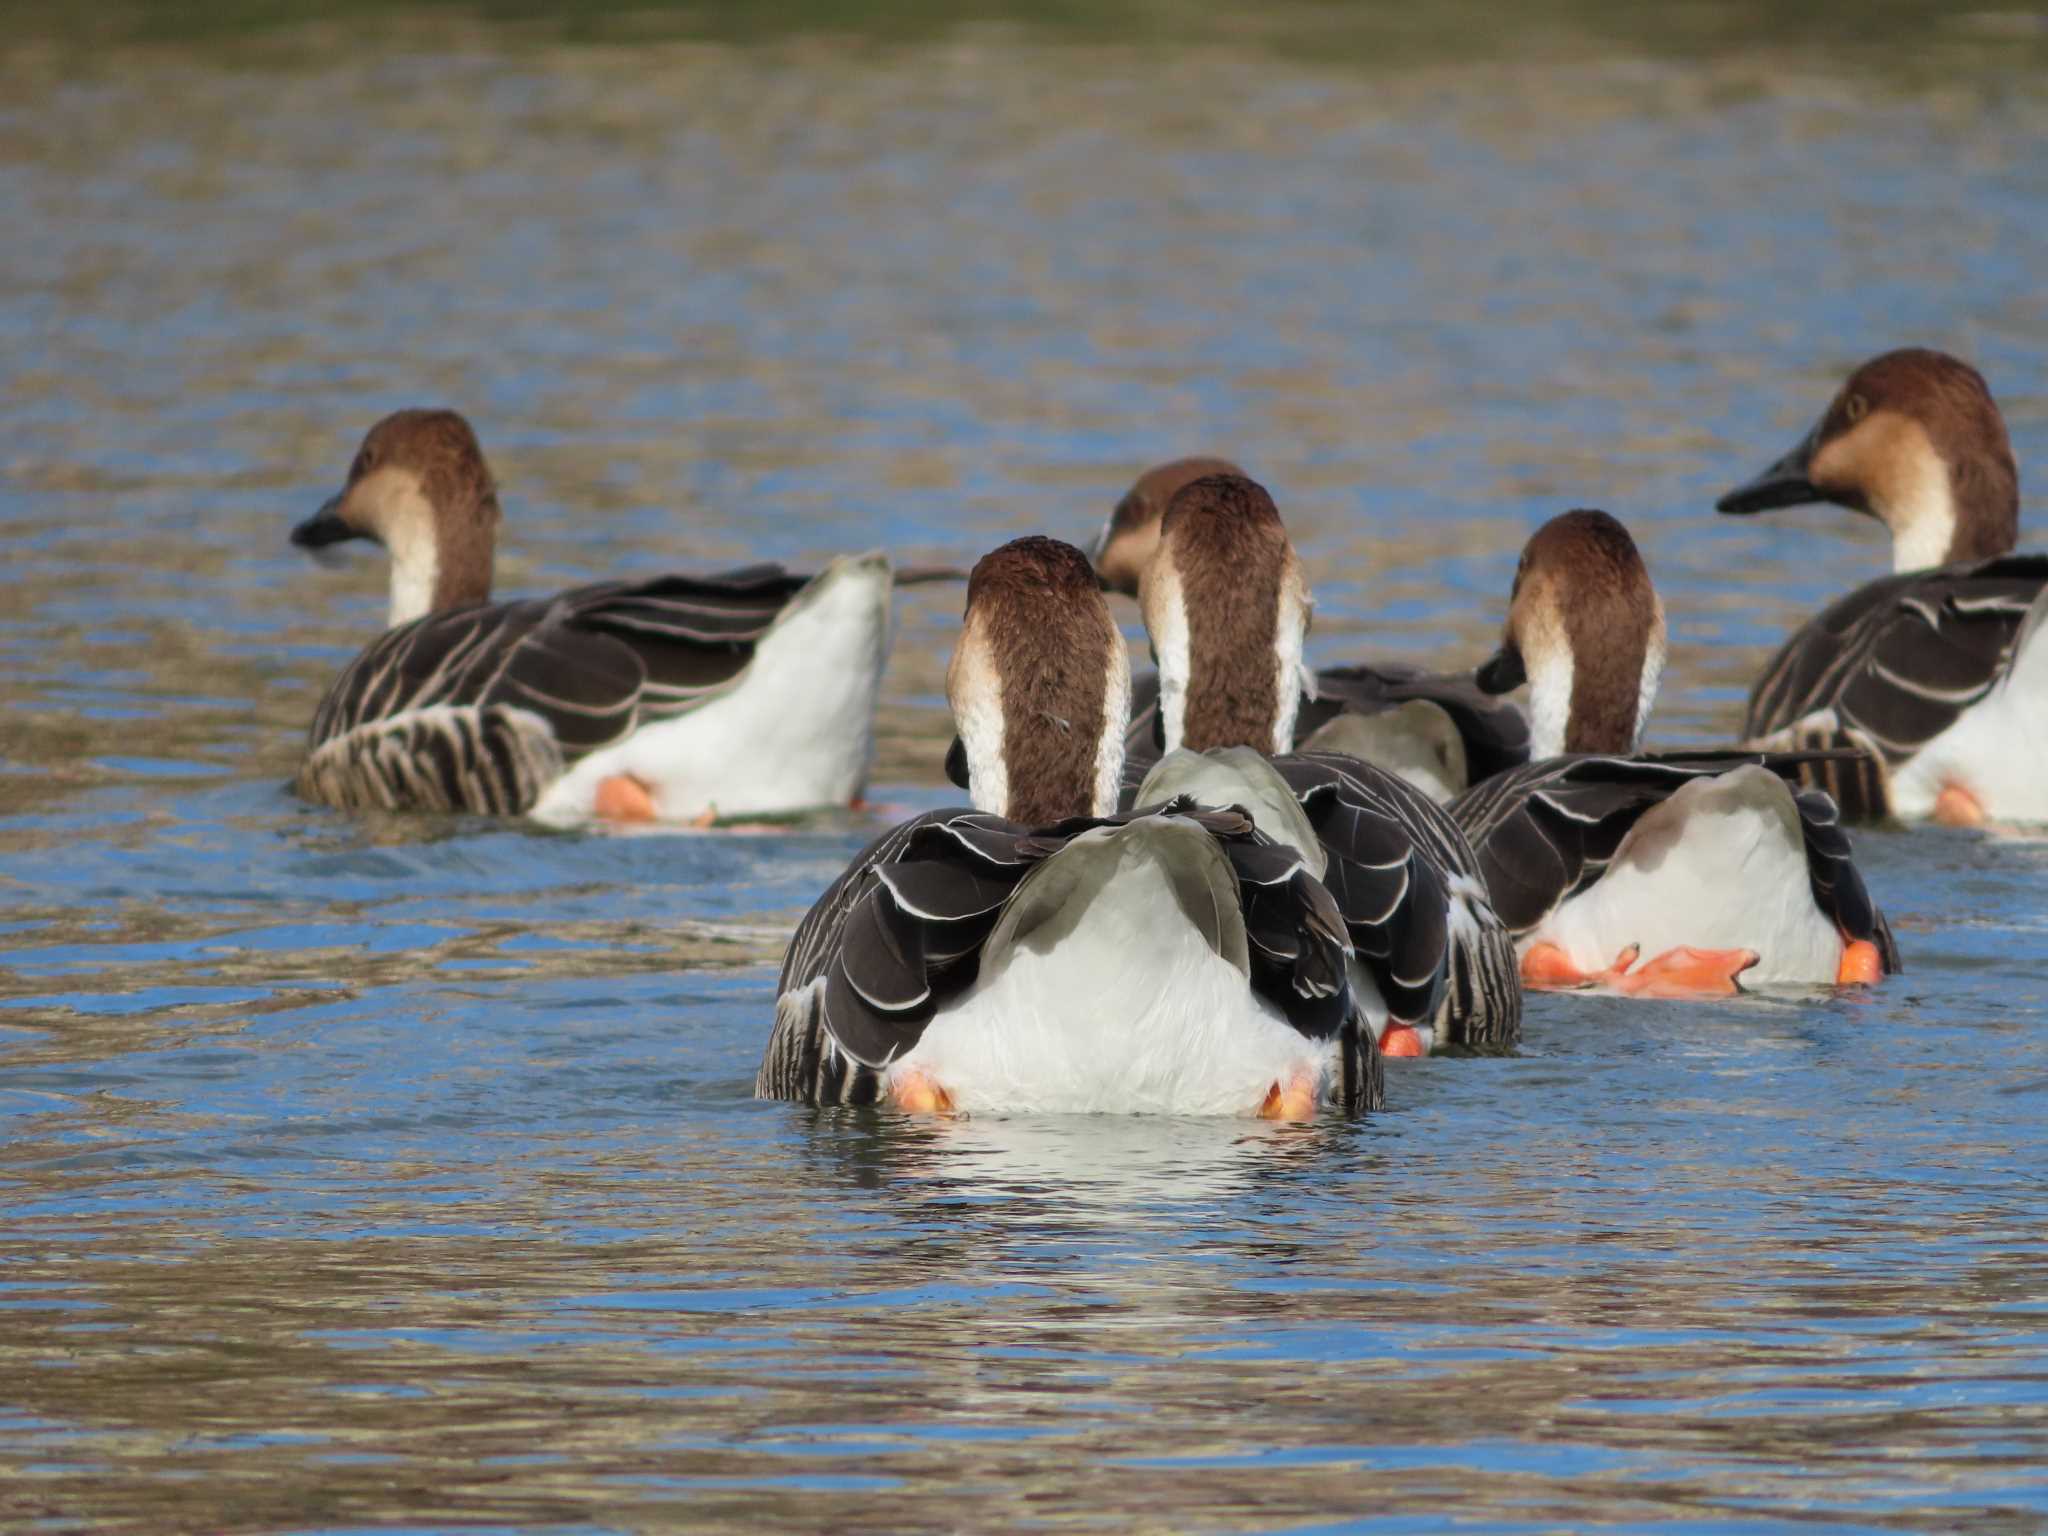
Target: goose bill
point(324, 527)
point(1784, 484)
point(1503, 672)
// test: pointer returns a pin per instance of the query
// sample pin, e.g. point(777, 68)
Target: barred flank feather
point(495, 761)
point(1482, 1009)
point(1859, 785)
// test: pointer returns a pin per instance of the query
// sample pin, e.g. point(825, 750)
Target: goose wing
point(1410, 889)
point(1891, 666)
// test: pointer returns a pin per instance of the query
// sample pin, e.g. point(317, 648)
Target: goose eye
point(1855, 408)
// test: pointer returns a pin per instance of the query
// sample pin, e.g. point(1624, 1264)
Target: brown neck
point(1603, 715)
point(1040, 685)
point(466, 553)
point(1607, 684)
point(1233, 695)
point(1055, 717)
point(1986, 487)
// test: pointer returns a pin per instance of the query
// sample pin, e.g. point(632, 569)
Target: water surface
point(401, 1173)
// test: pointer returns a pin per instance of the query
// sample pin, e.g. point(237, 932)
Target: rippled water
point(403, 1173)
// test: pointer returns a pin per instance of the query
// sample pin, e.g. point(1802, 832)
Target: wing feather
point(1895, 663)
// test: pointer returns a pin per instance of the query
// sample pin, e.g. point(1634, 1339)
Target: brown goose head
point(420, 487)
point(1586, 632)
point(1126, 544)
point(1228, 610)
point(1915, 440)
point(1040, 686)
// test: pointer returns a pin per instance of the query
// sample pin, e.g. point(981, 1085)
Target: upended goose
point(1938, 672)
point(1042, 952)
point(1706, 863)
point(1227, 610)
point(1434, 730)
point(677, 698)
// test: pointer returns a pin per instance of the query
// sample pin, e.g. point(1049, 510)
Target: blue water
point(403, 1174)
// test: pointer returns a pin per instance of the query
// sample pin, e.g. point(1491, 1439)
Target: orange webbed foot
point(1401, 1040)
point(1295, 1101)
point(1861, 966)
point(1957, 807)
point(1688, 972)
point(1546, 967)
point(622, 797)
point(914, 1091)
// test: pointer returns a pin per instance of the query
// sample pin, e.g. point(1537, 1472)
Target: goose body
point(1594, 855)
point(1936, 673)
point(1436, 731)
point(1171, 962)
point(1043, 953)
point(1707, 866)
point(676, 698)
point(1227, 609)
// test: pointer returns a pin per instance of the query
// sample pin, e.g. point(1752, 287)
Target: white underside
point(794, 731)
point(1116, 1002)
point(1719, 865)
point(1998, 750)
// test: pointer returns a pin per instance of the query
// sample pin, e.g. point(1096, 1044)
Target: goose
point(676, 698)
point(1227, 610)
point(1042, 952)
point(1709, 863)
point(1938, 672)
point(1435, 730)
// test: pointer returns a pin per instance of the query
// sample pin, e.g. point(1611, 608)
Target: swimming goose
point(1707, 862)
point(1437, 731)
point(1227, 609)
point(1042, 952)
point(675, 699)
point(1937, 672)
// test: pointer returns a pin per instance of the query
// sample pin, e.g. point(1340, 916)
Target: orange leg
point(1955, 806)
point(1862, 965)
point(913, 1090)
point(1296, 1101)
point(622, 797)
point(1688, 972)
point(1401, 1040)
